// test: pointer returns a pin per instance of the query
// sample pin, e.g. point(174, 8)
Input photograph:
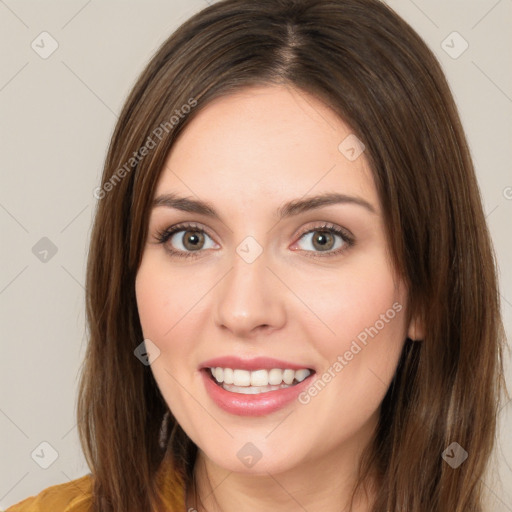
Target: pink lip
point(252, 405)
point(256, 363)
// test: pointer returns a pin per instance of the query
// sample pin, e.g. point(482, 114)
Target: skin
point(246, 154)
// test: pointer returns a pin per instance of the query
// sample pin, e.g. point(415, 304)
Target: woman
point(291, 292)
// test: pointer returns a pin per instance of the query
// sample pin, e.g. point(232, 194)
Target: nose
point(250, 299)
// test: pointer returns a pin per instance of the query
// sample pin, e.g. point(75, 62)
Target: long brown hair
point(376, 73)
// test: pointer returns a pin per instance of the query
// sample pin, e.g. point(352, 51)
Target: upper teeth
point(273, 377)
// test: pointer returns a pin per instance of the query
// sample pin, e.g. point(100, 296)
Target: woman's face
point(310, 284)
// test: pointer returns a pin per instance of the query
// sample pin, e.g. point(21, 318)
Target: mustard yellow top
point(75, 496)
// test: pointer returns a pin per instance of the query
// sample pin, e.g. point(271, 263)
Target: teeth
point(228, 376)
point(300, 375)
point(288, 376)
point(251, 390)
point(258, 378)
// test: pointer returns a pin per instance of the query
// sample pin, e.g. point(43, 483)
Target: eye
point(184, 240)
point(328, 239)
point(188, 240)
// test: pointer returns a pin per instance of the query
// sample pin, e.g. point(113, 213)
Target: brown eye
point(323, 240)
point(192, 240)
point(184, 240)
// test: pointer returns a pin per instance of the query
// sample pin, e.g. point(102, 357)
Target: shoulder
point(72, 496)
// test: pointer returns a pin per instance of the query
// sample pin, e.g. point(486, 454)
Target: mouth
point(257, 381)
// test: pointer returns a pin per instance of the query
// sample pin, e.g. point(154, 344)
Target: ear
point(416, 331)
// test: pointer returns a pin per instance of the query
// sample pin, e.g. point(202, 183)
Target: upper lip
point(251, 364)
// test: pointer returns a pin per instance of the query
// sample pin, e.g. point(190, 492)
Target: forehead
point(264, 145)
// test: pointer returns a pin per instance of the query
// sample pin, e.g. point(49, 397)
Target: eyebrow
point(289, 209)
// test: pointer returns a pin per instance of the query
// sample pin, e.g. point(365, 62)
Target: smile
point(257, 400)
point(257, 381)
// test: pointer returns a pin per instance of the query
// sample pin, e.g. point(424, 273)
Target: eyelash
point(349, 241)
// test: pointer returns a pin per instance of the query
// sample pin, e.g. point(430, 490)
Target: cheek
point(360, 341)
point(164, 298)
point(152, 299)
point(346, 301)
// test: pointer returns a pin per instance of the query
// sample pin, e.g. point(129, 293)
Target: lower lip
point(252, 405)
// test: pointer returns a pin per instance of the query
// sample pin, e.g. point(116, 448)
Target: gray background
point(57, 116)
